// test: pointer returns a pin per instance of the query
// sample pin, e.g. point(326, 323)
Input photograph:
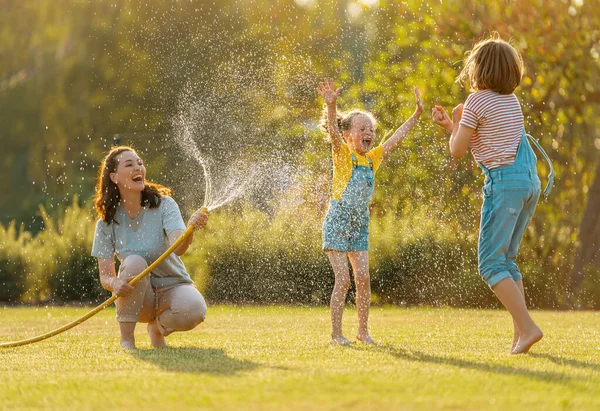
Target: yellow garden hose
point(106, 303)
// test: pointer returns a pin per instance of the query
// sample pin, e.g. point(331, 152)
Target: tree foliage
point(75, 74)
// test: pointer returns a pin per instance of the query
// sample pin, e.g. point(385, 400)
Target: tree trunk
point(589, 237)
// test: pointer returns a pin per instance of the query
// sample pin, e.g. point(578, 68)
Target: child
point(491, 125)
point(346, 226)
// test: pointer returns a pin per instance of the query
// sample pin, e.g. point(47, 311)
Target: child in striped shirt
point(491, 124)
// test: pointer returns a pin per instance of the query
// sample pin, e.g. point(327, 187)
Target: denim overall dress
point(510, 196)
point(346, 225)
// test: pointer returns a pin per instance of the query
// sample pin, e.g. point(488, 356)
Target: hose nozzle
point(204, 210)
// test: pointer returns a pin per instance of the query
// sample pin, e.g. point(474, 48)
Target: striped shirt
point(498, 123)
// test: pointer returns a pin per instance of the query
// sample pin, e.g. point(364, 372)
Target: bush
point(64, 270)
point(12, 266)
point(419, 260)
point(248, 258)
point(245, 256)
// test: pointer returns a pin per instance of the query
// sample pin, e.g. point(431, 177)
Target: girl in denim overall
point(346, 226)
point(492, 127)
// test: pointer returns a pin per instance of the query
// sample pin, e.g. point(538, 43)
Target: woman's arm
point(329, 93)
point(198, 220)
point(109, 279)
point(405, 128)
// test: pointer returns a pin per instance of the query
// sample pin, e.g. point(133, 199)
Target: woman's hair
point(107, 195)
point(494, 65)
point(344, 121)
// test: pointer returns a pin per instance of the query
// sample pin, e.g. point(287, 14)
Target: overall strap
point(551, 175)
point(330, 177)
point(355, 161)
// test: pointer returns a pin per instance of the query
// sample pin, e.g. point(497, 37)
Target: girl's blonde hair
point(494, 65)
point(344, 121)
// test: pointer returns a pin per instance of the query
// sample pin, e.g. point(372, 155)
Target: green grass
point(279, 358)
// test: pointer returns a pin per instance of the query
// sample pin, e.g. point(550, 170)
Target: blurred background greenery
point(77, 76)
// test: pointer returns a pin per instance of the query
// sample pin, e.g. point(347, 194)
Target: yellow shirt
point(342, 166)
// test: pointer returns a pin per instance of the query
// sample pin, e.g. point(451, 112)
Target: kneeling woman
point(139, 222)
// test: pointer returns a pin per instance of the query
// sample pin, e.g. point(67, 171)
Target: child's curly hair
point(344, 121)
point(494, 65)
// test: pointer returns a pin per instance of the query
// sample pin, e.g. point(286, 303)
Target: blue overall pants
point(346, 225)
point(510, 196)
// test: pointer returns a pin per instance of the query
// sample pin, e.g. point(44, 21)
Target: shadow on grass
point(568, 361)
point(417, 356)
point(195, 360)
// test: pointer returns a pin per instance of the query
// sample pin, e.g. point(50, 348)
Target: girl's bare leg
point(510, 296)
point(516, 328)
point(339, 263)
point(360, 268)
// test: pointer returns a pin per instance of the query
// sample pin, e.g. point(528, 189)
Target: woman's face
point(361, 135)
point(130, 173)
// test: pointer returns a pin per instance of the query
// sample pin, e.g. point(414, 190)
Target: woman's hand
point(440, 117)
point(120, 287)
point(419, 109)
point(328, 91)
point(198, 220)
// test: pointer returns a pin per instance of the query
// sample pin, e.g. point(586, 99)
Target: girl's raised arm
point(329, 93)
point(460, 140)
point(405, 128)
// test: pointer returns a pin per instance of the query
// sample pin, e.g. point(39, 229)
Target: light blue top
point(146, 236)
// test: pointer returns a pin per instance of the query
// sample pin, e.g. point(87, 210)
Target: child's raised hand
point(440, 117)
point(457, 113)
point(419, 109)
point(328, 91)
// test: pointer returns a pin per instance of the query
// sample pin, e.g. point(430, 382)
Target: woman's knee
point(191, 311)
point(191, 317)
point(196, 310)
point(132, 266)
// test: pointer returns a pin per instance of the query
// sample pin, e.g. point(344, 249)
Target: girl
point(346, 225)
point(491, 125)
point(138, 222)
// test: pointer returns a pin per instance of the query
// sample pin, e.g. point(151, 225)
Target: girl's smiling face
point(361, 135)
point(130, 173)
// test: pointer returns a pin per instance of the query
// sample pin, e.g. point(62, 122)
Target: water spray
point(106, 303)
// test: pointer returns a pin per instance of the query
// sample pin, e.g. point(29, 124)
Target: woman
point(138, 222)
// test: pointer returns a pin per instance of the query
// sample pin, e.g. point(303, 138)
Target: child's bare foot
point(527, 340)
point(339, 340)
point(365, 339)
point(156, 338)
point(127, 344)
point(515, 339)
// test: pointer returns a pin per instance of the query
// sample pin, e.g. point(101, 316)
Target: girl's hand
point(419, 109)
point(457, 113)
point(328, 91)
point(440, 117)
point(198, 220)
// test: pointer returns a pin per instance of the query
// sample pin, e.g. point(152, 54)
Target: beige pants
point(180, 307)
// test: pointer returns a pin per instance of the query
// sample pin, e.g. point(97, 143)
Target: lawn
point(279, 358)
